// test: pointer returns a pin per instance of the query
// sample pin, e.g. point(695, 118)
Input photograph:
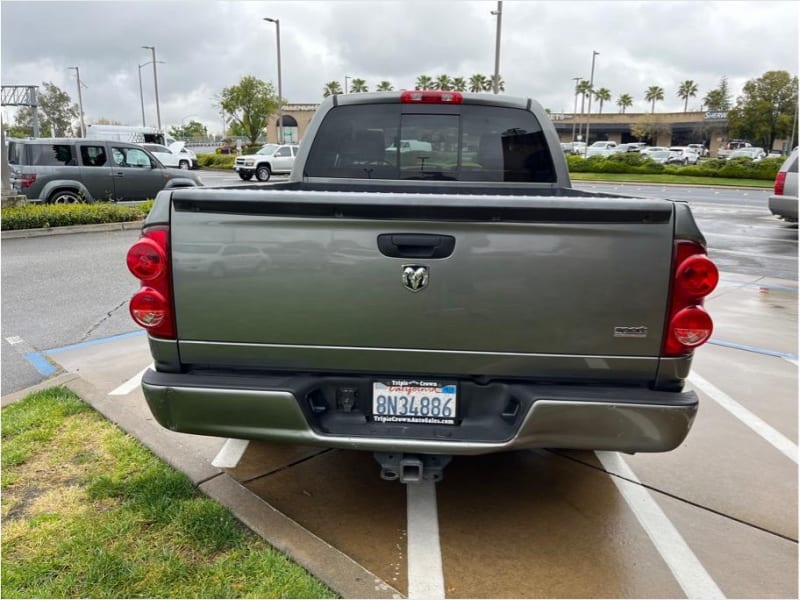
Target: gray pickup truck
point(462, 298)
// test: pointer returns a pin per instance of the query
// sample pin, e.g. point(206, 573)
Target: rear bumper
point(784, 206)
point(496, 417)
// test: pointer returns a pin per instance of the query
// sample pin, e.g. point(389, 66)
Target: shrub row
point(35, 216)
point(216, 160)
point(633, 162)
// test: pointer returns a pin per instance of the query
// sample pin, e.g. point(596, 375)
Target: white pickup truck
point(270, 159)
point(458, 300)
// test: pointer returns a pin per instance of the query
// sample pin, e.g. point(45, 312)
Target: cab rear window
point(452, 143)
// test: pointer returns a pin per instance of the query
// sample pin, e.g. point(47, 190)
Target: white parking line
point(689, 573)
point(754, 255)
point(230, 454)
point(425, 575)
point(767, 432)
point(130, 385)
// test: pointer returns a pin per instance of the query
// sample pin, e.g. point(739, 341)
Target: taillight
point(694, 277)
point(780, 181)
point(26, 181)
point(148, 260)
point(431, 97)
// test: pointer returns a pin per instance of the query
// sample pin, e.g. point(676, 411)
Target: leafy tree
point(688, 89)
point(624, 101)
point(358, 86)
point(477, 83)
point(250, 103)
point(104, 121)
point(332, 88)
point(443, 82)
point(652, 94)
point(501, 85)
point(718, 99)
point(193, 129)
point(384, 86)
point(423, 83)
point(648, 128)
point(766, 108)
point(602, 95)
point(459, 84)
point(56, 113)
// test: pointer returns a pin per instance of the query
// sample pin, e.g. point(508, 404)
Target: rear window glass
point(452, 143)
point(16, 153)
point(51, 155)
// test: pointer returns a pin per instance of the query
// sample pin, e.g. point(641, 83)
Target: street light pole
point(346, 77)
point(155, 81)
point(280, 88)
point(80, 100)
point(591, 92)
point(141, 95)
point(496, 79)
point(575, 109)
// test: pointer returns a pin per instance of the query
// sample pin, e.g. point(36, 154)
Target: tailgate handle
point(416, 245)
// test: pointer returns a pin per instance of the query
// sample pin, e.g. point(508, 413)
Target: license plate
point(414, 401)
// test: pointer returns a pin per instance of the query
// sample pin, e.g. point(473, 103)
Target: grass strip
point(89, 512)
point(670, 179)
point(38, 216)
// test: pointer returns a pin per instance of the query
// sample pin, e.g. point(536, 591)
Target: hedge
point(36, 216)
point(222, 161)
point(633, 162)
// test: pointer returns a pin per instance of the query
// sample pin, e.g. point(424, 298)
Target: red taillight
point(694, 277)
point(431, 97)
point(780, 181)
point(151, 306)
point(26, 181)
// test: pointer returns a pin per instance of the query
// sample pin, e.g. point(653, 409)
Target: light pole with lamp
point(575, 109)
point(155, 81)
point(589, 109)
point(141, 95)
point(499, 14)
point(80, 100)
point(280, 88)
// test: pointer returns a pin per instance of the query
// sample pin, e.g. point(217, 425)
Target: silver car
point(783, 201)
point(73, 170)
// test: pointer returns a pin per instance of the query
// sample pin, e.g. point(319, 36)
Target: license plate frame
point(415, 402)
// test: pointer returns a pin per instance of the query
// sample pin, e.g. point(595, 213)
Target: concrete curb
point(99, 227)
point(334, 568)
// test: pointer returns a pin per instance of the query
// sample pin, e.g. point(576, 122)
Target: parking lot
point(715, 518)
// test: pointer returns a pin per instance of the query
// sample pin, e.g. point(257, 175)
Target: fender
point(65, 184)
point(180, 182)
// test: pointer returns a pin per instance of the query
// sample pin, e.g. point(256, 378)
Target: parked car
point(623, 148)
point(175, 155)
point(270, 159)
point(732, 146)
point(753, 153)
point(579, 148)
point(636, 146)
point(71, 170)
point(601, 148)
point(659, 156)
point(783, 201)
point(701, 150)
point(684, 155)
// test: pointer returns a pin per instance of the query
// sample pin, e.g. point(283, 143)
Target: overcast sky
point(208, 45)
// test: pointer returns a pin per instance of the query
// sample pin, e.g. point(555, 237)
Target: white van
point(411, 146)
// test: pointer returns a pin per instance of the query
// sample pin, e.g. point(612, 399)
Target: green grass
point(35, 216)
point(89, 512)
point(672, 179)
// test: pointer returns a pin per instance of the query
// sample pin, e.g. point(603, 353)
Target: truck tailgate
point(536, 287)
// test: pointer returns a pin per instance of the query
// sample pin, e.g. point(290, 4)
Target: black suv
point(68, 170)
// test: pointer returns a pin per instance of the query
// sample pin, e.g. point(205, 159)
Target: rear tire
point(246, 176)
point(65, 197)
point(263, 173)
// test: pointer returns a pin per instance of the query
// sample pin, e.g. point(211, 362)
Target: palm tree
point(603, 95)
point(443, 82)
point(624, 101)
point(358, 85)
point(424, 83)
point(477, 83)
point(487, 84)
point(459, 84)
point(501, 85)
point(384, 86)
point(652, 94)
point(584, 88)
point(686, 90)
point(332, 88)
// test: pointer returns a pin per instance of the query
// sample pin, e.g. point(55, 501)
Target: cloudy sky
point(208, 45)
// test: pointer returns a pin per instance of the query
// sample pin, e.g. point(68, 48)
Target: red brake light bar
point(431, 97)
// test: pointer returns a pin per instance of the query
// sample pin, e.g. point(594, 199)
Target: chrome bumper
point(557, 417)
